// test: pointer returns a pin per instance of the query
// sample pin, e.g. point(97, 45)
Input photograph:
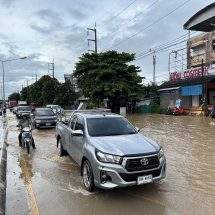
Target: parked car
point(110, 150)
point(56, 109)
point(23, 110)
point(44, 117)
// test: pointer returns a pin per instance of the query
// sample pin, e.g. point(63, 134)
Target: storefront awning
point(170, 88)
point(194, 90)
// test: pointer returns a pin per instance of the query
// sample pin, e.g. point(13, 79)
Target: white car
point(56, 109)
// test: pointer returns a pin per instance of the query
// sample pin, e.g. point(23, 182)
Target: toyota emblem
point(144, 161)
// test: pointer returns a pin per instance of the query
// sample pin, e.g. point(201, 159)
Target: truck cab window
point(72, 123)
point(79, 124)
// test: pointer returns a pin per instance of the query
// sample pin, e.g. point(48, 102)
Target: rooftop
point(203, 20)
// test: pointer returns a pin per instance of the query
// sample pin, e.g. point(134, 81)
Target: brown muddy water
point(189, 145)
point(189, 188)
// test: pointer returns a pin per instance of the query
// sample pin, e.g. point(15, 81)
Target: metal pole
point(3, 81)
point(154, 62)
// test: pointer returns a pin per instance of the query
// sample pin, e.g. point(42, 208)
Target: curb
point(3, 169)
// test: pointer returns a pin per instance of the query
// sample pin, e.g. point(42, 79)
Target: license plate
point(144, 179)
point(48, 124)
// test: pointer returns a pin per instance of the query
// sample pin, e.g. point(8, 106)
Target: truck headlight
point(160, 153)
point(108, 158)
point(37, 121)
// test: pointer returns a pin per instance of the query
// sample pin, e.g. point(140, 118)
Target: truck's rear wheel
point(87, 175)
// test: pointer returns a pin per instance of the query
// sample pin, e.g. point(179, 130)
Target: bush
point(156, 108)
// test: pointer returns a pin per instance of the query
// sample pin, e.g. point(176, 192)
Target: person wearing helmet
point(25, 121)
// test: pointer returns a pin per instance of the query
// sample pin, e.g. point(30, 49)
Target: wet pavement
point(44, 183)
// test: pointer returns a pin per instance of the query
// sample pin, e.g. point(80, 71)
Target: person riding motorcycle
point(24, 122)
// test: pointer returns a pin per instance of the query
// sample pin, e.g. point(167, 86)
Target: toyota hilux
point(110, 150)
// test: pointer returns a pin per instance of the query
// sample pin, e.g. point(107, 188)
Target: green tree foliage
point(109, 75)
point(66, 95)
point(48, 90)
point(14, 96)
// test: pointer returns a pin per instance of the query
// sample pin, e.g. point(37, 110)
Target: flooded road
point(52, 185)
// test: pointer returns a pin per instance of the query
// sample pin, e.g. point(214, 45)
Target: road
point(44, 183)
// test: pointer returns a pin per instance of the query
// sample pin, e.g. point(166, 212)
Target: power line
point(146, 8)
point(153, 23)
point(119, 13)
point(167, 43)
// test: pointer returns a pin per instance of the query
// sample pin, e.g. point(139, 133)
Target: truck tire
point(87, 176)
point(62, 152)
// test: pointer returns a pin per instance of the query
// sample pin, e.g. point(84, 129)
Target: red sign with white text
point(189, 74)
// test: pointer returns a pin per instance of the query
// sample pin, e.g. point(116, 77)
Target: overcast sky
point(49, 31)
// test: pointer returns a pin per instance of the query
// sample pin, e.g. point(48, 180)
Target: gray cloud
point(50, 22)
point(7, 3)
point(48, 15)
point(40, 29)
point(77, 14)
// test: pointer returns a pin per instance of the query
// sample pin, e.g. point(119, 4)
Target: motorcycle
point(27, 138)
point(175, 111)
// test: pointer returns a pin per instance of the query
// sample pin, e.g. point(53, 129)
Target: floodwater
point(189, 145)
point(55, 186)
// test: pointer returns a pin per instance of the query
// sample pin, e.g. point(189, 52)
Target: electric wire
point(150, 25)
point(119, 13)
point(127, 22)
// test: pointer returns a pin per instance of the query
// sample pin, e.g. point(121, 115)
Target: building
point(201, 50)
point(196, 84)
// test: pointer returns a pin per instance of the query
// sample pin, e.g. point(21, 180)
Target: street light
point(3, 61)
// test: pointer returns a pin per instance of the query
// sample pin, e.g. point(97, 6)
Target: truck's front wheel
point(87, 175)
point(62, 152)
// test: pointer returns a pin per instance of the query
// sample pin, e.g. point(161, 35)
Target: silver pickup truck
point(110, 150)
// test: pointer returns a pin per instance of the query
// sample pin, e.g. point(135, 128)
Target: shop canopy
point(188, 82)
point(194, 90)
point(203, 20)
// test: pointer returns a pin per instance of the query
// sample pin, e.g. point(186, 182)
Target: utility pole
point(36, 77)
point(154, 63)
point(204, 105)
point(51, 67)
point(93, 40)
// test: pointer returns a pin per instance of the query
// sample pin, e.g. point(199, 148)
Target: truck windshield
point(109, 126)
point(44, 112)
point(24, 108)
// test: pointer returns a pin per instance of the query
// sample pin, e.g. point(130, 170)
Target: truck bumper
point(117, 176)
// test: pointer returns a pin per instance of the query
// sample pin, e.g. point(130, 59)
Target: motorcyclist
point(212, 114)
point(25, 122)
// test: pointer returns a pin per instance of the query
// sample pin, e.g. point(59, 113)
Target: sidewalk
point(3, 164)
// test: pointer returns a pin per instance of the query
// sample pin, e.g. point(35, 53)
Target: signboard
point(190, 73)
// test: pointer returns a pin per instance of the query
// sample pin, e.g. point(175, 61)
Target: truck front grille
point(138, 164)
point(133, 177)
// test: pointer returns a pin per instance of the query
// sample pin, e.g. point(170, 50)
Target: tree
point(66, 95)
point(14, 96)
point(109, 76)
point(42, 92)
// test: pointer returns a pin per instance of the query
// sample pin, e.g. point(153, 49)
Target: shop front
point(192, 87)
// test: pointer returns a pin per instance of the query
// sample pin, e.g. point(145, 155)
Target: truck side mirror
point(78, 133)
point(138, 129)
